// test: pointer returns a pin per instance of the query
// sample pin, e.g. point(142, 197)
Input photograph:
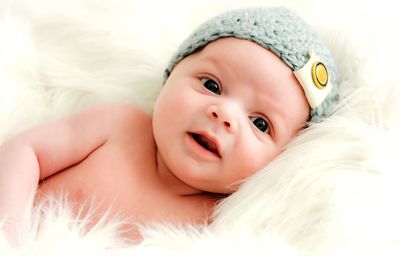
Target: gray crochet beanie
point(277, 29)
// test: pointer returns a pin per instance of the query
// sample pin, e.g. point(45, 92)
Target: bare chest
point(120, 177)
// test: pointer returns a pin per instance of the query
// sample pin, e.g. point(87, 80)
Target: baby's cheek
point(257, 156)
point(181, 98)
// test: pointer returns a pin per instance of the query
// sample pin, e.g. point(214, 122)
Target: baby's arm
point(45, 150)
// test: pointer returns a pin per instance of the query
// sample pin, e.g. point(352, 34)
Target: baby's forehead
point(238, 56)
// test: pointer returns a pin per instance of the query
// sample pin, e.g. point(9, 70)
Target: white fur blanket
point(333, 192)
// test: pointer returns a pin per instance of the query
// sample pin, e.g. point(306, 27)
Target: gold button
point(319, 75)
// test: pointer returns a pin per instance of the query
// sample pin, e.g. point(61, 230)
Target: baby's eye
point(260, 123)
point(211, 85)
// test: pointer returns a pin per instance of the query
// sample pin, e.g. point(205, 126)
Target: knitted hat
point(287, 36)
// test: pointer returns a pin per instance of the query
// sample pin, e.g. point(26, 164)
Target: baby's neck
point(168, 179)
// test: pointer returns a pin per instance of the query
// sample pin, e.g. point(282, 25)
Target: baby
point(237, 91)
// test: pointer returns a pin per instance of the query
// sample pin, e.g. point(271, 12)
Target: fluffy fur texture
point(334, 191)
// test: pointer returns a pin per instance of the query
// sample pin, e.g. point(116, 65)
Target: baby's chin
point(221, 189)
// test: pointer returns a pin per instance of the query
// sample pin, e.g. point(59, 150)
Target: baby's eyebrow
point(212, 61)
point(205, 61)
point(265, 101)
point(221, 66)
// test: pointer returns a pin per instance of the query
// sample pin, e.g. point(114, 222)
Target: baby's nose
point(224, 115)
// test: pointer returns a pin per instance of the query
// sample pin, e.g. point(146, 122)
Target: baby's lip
point(207, 141)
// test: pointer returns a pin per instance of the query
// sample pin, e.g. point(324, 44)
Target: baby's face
point(225, 112)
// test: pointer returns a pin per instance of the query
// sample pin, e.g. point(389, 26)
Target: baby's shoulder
point(125, 118)
point(120, 112)
point(119, 107)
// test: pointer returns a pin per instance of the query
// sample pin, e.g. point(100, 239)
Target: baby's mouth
point(207, 143)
